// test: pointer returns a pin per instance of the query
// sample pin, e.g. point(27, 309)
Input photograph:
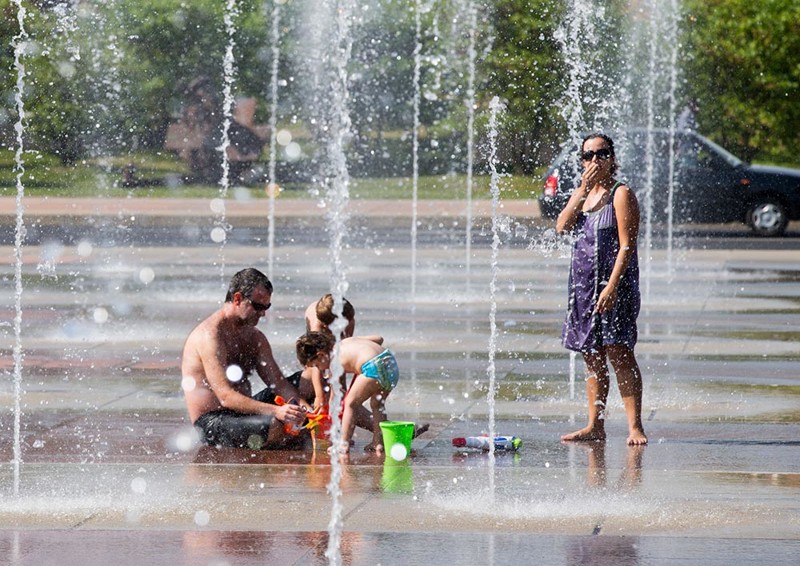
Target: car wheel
point(767, 218)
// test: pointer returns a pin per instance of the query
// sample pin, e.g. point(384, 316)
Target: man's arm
point(271, 374)
point(213, 354)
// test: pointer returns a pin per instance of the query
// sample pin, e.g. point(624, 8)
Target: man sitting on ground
point(219, 356)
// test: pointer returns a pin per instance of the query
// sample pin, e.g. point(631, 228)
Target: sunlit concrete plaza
point(112, 288)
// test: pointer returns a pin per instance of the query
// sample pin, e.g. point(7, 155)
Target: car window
point(722, 153)
point(689, 153)
point(634, 157)
point(699, 153)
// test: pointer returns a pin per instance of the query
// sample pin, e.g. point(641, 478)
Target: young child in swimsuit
point(376, 374)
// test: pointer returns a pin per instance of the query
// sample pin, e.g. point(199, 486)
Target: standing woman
point(604, 297)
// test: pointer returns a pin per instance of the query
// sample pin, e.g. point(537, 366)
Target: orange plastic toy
point(318, 422)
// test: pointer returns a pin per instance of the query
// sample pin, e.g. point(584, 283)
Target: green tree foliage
point(523, 68)
point(743, 67)
point(107, 78)
point(171, 43)
point(52, 101)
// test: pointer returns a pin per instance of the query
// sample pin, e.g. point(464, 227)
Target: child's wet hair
point(311, 344)
point(324, 310)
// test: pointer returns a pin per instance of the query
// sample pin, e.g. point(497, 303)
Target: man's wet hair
point(325, 310)
point(311, 344)
point(246, 281)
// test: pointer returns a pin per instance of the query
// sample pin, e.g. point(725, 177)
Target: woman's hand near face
point(590, 176)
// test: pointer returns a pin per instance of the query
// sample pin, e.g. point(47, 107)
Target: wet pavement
point(107, 474)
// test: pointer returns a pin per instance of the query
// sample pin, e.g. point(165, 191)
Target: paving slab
point(106, 474)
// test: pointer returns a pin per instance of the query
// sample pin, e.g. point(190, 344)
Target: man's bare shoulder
point(253, 336)
point(205, 328)
point(207, 335)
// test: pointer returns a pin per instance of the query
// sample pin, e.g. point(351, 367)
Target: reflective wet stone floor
point(106, 476)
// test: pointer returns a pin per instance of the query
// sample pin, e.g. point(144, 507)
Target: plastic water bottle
point(511, 443)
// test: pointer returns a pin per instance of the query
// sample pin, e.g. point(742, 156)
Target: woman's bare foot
point(588, 434)
point(637, 438)
point(421, 429)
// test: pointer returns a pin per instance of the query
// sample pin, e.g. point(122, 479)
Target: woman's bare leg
point(629, 380)
point(597, 383)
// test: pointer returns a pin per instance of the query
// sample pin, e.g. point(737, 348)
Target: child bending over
point(376, 374)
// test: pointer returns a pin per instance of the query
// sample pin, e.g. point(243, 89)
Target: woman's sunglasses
point(603, 154)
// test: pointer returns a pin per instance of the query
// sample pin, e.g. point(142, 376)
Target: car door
point(643, 160)
point(706, 185)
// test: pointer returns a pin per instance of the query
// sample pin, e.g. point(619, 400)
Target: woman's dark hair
point(246, 281)
point(311, 344)
point(610, 144)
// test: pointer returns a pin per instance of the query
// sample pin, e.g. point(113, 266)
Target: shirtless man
point(219, 356)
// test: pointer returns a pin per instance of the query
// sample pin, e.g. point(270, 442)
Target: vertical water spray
point(221, 226)
point(415, 175)
point(66, 24)
point(338, 48)
point(105, 60)
point(671, 21)
point(576, 31)
point(496, 108)
point(272, 183)
point(649, 151)
point(19, 43)
point(415, 151)
point(571, 106)
point(659, 84)
point(472, 21)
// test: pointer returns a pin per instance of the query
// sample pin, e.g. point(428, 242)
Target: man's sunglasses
point(603, 154)
point(259, 306)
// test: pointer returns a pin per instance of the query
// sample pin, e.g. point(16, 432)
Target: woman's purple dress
point(593, 255)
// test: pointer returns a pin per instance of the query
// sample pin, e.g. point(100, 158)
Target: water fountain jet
point(272, 181)
point(229, 74)
point(496, 108)
point(18, 43)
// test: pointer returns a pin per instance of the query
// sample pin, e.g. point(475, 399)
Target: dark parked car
point(710, 184)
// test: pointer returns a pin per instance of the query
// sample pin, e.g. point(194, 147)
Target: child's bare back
point(356, 351)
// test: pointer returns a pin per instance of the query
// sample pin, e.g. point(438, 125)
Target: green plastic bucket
point(397, 433)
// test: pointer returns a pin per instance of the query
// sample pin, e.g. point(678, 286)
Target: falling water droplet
point(138, 485)
point(218, 235)
point(100, 315)
point(234, 373)
point(202, 518)
point(398, 452)
point(147, 275)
